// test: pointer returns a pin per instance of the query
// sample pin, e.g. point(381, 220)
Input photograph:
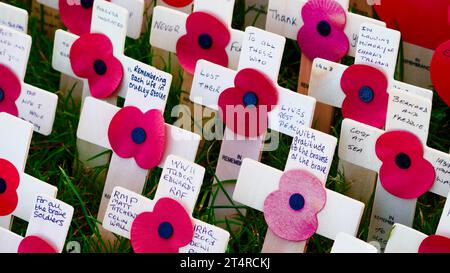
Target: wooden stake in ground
point(298, 195)
point(404, 239)
point(181, 181)
point(47, 230)
point(15, 139)
point(262, 52)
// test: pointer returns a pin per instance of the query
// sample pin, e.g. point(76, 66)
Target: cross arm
point(9, 241)
point(61, 52)
point(345, 243)
point(443, 228)
point(404, 239)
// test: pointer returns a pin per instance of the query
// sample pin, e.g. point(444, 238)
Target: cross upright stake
point(297, 196)
point(404, 239)
point(397, 155)
point(47, 231)
point(262, 53)
point(181, 180)
point(376, 54)
point(15, 139)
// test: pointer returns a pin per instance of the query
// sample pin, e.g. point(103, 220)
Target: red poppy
point(404, 172)
point(178, 3)
point(164, 230)
point(366, 98)
point(322, 34)
point(9, 182)
point(435, 244)
point(34, 244)
point(440, 65)
point(291, 212)
point(76, 15)
point(430, 30)
point(206, 38)
point(91, 58)
point(10, 89)
point(245, 107)
point(138, 135)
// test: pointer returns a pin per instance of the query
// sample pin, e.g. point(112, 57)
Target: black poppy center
point(2, 185)
point(2, 94)
point(100, 67)
point(87, 3)
point(138, 135)
point(250, 99)
point(366, 94)
point(403, 161)
point(165, 230)
point(324, 28)
point(296, 201)
point(205, 41)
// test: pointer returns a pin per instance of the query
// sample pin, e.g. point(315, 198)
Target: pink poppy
point(9, 182)
point(322, 34)
point(366, 98)
point(178, 3)
point(291, 212)
point(142, 136)
point(76, 15)
point(206, 38)
point(34, 244)
point(91, 58)
point(435, 244)
point(10, 89)
point(164, 230)
point(404, 172)
point(244, 108)
point(440, 65)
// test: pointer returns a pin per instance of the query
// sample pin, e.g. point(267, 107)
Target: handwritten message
point(14, 50)
point(207, 239)
point(50, 211)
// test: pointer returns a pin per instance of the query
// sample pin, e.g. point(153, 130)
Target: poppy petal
point(435, 244)
point(10, 178)
point(178, 3)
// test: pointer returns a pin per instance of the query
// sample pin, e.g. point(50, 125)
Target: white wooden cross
point(403, 239)
point(181, 180)
point(325, 86)
point(50, 221)
point(15, 139)
point(135, 13)
point(95, 120)
point(406, 112)
point(14, 17)
point(345, 243)
point(34, 105)
point(285, 18)
point(168, 25)
point(311, 151)
point(263, 51)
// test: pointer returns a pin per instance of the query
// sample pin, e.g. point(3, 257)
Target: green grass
point(54, 159)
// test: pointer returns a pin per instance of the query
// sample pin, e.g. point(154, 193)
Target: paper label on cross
point(345, 243)
point(50, 221)
point(168, 25)
point(135, 13)
point(34, 104)
point(341, 213)
point(377, 47)
point(284, 17)
point(15, 143)
point(13, 17)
